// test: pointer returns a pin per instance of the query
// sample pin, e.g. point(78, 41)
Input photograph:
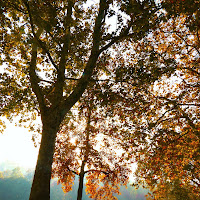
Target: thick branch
point(60, 82)
point(34, 78)
point(84, 80)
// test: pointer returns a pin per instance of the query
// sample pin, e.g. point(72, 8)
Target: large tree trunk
point(41, 183)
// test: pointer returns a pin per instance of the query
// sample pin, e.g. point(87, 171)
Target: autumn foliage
point(123, 72)
point(84, 148)
point(169, 162)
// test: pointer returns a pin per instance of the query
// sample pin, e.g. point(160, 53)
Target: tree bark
point(80, 188)
point(81, 179)
point(41, 183)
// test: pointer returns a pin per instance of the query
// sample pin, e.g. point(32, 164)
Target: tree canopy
point(170, 159)
point(126, 51)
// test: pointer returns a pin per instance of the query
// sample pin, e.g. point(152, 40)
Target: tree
point(84, 147)
point(51, 49)
point(174, 190)
point(170, 158)
point(13, 185)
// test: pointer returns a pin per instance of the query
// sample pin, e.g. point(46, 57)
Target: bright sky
point(17, 146)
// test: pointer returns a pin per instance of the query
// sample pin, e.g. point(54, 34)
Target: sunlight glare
point(16, 145)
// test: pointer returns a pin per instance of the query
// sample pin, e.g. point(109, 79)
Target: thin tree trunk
point(81, 179)
point(41, 183)
point(80, 188)
point(82, 172)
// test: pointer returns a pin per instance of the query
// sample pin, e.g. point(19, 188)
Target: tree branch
point(42, 80)
point(95, 170)
point(186, 42)
point(190, 122)
point(60, 82)
point(33, 76)
point(42, 44)
point(175, 103)
point(153, 124)
point(95, 52)
point(18, 8)
point(116, 39)
point(72, 171)
point(192, 70)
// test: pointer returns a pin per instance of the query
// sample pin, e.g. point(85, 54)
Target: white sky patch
point(2, 67)
point(16, 145)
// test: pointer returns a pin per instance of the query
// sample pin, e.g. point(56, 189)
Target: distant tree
point(16, 173)
point(29, 175)
point(14, 186)
point(1, 175)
